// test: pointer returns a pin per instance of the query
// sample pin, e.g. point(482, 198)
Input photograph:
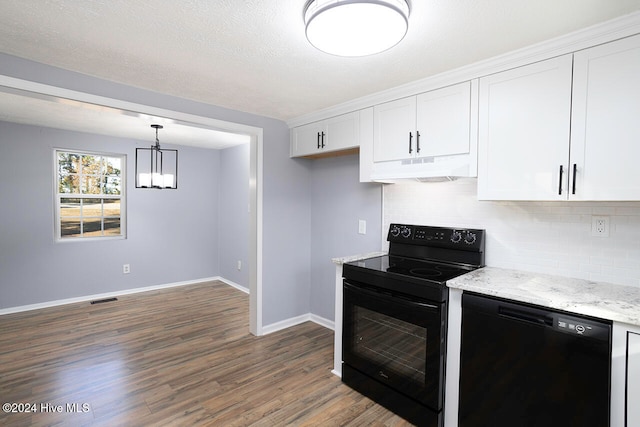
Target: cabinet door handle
point(417, 142)
point(573, 186)
point(318, 140)
point(410, 139)
point(560, 181)
point(322, 145)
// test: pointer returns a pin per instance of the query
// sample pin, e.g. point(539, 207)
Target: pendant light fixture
point(156, 167)
point(356, 27)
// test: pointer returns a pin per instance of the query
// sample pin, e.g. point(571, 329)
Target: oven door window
point(395, 341)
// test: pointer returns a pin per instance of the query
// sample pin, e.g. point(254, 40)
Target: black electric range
point(395, 318)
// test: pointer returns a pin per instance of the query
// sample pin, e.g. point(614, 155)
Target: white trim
point(84, 298)
point(605, 32)
point(322, 321)
point(44, 89)
point(293, 321)
point(233, 284)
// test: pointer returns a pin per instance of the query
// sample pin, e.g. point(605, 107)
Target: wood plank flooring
point(176, 357)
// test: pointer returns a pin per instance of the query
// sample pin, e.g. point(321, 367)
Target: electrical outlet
point(600, 226)
point(126, 269)
point(239, 265)
point(362, 226)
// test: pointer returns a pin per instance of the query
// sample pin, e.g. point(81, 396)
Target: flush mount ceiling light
point(156, 167)
point(356, 27)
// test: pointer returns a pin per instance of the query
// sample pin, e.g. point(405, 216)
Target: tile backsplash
point(544, 237)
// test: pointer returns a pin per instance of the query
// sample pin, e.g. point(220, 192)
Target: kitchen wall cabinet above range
point(427, 135)
point(325, 137)
point(434, 123)
point(563, 129)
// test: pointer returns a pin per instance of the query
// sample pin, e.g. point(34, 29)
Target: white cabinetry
point(625, 376)
point(524, 130)
point(605, 126)
point(545, 135)
point(434, 123)
point(326, 136)
point(633, 379)
point(394, 131)
point(430, 135)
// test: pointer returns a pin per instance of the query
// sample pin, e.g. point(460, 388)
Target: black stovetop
point(421, 260)
point(415, 268)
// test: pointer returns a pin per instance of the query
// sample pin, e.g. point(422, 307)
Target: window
point(90, 199)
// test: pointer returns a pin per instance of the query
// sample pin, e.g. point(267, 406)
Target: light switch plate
point(362, 226)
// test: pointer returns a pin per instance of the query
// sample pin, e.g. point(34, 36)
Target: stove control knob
point(405, 232)
point(470, 238)
point(456, 236)
point(395, 231)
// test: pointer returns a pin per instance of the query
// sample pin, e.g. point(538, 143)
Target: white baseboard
point(293, 321)
point(114, 294)
point(234, 284)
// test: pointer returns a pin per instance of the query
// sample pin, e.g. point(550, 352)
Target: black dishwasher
point(528, 366)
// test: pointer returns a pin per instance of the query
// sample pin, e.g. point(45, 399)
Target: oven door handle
point(403, 299)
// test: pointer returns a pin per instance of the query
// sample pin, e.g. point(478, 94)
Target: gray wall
point(233, 208)
point(172, 234)
point(338, 201)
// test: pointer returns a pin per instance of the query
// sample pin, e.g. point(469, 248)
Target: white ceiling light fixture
point(356, 27)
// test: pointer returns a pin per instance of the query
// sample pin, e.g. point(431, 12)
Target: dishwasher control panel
point(580, 326)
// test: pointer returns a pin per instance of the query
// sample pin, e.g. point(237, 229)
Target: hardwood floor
point(180, 356)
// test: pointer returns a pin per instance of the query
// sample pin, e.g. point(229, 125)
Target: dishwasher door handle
point(535, 318)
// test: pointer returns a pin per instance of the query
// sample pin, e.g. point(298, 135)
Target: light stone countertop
point(598, 299)
point(350, 258)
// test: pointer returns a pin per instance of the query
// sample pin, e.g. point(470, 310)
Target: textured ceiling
point(252, 55)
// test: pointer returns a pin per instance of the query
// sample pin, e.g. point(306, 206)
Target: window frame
point(58, 197)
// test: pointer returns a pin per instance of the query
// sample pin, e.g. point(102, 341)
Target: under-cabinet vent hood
point(427, 169)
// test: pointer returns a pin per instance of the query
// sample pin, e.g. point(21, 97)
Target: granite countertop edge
point(350, 258)
point(608, 301)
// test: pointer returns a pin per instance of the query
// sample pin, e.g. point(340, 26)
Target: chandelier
point(156, 167)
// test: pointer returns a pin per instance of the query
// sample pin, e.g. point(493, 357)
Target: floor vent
point(99, 301)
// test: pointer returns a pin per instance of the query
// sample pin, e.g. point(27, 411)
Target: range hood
point(427, 169)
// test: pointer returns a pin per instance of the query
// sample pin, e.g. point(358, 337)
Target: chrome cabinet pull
point(410, 139)
point(573, 187)
point(318, 140)
point(417, 142)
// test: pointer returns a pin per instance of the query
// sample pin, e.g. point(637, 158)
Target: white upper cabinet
point(605, 122)
point(443, 120)
point(524, 130)
point(326, 136)
point(435, 123)
point(567, 128)
point(394, 131)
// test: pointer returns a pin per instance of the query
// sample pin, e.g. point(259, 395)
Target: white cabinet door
point(341, 132)
point(334, 134)
point(633, 379)
point(394, 135)
point(524, 130)
point(443, 121)
point(605, 131)
point(306, 140)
